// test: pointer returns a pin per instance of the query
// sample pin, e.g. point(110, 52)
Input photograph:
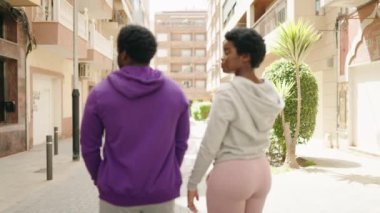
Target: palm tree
point(294, 42)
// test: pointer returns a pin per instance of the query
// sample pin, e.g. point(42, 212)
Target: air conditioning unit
point(84, 70)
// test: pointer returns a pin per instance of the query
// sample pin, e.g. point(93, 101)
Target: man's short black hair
point(248, 41)
point(138, 42)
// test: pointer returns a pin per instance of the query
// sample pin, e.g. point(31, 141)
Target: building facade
point(358, 99)
point(41, 85)
point(50, 67)
point(13, 53)
point(181, 52)
point(343, 60)
point(214, 45)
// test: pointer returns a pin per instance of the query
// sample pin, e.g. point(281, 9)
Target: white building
point(344, 61)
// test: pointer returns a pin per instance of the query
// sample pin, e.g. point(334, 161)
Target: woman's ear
point(246, 58)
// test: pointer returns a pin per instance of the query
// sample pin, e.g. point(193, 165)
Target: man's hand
point(190, 200)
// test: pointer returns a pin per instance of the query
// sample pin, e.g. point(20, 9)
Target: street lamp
point(75, 93)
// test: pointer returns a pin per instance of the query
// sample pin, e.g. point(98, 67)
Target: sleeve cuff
point(192, 187)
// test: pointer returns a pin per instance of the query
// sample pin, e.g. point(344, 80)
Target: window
point(175, 67)
point(137, 4)
point(200, 37)
point(162, 53)
point(1, 26)
point(200, 68)
point(199, 84)
point(8, 91)
point(228, 10)
point(162, 67)
point(2, 92)
point(318, 10)
point(8, 28)
point(175, 37)
point(162, 37)
point(186, 68)
point(175, 52)
point(186, 53)
point(200, 52)
point(186, 84)
point(185, 37)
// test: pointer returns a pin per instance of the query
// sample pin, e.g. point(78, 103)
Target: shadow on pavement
point(333, 163)
point(362, 179)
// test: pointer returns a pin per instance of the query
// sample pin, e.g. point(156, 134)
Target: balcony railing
point(120, 17)
point(99, 43)
point(272, 18)
point(343, 3)
point(181, 23)
point(110, 3)
point(61, 11)
point(24, 3)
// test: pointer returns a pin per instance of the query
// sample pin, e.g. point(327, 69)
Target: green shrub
point(284, 70)
point(200, 110)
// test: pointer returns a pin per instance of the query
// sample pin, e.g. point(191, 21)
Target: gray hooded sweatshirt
point(241, 118)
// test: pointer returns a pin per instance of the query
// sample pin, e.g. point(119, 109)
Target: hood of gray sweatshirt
point(261, 101)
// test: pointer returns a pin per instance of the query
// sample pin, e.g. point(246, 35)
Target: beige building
point(50, 66)
point(44, 96)
point(214, 45)
point(181, 52)
point(13, 102)
point(343, 61)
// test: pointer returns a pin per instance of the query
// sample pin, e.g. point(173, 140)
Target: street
point(342, 181)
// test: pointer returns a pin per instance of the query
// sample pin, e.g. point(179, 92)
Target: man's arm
point(182, 135)
point(91, 136)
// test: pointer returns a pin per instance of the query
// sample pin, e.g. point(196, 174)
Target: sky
point(170, 5)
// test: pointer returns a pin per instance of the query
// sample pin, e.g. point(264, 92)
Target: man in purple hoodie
point(144, 117)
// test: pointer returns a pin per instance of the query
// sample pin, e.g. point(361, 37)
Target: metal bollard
point(49, 158)
point(55, 140)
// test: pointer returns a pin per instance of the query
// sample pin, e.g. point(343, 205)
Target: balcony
point(189, 28)
point(111, 28)
point(100, 49)
point(343, 3)
point(197, 94)
point(99, 9)
point(183, 44)
point(188, 75)
point(182, 60)
point(125, 7)
point(53, 28)
point(272, 18)
point(24, 3)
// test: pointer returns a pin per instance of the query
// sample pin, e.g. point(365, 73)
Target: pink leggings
point(238, 186)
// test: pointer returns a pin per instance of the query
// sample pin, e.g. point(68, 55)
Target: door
point(365, 87)
point(42, 109)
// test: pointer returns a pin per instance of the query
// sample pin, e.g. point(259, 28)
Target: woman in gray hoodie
point(237, 135)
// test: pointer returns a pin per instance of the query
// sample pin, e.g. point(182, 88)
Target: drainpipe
point(338, 46)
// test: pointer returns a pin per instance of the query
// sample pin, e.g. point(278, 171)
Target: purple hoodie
point(145, 119)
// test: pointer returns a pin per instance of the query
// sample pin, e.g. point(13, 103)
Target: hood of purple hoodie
point(136, 81)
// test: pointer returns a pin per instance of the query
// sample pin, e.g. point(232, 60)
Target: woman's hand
point(190, 200)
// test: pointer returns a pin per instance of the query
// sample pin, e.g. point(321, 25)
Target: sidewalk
point(341, 182)
point(24, 188)
point(23, 175)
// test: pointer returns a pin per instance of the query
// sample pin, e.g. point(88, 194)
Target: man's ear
point(123, 55)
